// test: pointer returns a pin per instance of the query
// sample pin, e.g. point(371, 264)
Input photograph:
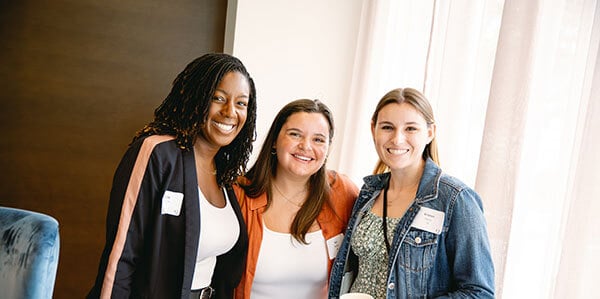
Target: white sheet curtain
point(515, 86)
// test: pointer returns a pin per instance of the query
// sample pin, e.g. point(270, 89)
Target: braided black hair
point(185, 110)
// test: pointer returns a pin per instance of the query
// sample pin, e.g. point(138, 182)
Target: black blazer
point(150, 252)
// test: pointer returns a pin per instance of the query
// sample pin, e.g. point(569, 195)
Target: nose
point(304, 144)
point(398, 137)
point(228, 109)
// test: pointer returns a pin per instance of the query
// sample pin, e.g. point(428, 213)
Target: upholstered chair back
point(29, 247)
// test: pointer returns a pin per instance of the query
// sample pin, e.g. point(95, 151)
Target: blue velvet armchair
point(29, 246)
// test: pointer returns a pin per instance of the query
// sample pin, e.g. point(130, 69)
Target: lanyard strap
point(385, 203)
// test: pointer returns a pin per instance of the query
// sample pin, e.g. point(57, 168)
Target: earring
point(273, 151)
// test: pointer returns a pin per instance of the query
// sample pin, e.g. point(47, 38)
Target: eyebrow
point(391, 123)
point(226, 93)
point(298, 130)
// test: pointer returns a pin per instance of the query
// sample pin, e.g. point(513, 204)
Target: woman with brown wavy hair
point(295, 209)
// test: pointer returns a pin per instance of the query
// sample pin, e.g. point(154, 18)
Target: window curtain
point(515, 87)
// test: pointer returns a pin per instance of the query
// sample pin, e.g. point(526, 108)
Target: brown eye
point(218, 99)
point(242, 103)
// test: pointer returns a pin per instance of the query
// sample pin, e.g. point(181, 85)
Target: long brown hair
point(416, 99)
point(185, 110)
point(260, 176)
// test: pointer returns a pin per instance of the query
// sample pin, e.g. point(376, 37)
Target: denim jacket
point(456, 263)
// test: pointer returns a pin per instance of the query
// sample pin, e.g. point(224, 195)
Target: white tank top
point(289, 269)
point(219, 231)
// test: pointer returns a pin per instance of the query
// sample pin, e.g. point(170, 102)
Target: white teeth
point(302, 158)
point(224, 127)
point(397, 151)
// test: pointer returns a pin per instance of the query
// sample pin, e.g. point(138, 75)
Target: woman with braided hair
point(174, 227)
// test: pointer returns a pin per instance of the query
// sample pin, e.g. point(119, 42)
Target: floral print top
point(368, 244)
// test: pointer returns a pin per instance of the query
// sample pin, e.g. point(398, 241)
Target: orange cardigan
point(332, 222)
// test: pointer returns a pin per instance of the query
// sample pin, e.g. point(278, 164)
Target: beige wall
point(77, 79)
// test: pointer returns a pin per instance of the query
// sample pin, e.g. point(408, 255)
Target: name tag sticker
point(171, 203)
point(333, 245)
point(429, 220)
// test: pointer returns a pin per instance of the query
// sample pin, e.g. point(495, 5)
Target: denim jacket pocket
point(418, 250)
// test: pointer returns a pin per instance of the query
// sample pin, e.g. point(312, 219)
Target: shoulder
point(342, 195)
point(459, 192)
point(148, 150)
point(239, 190)
point(448, 181)
point(155, 153)
point(161, 144)
point(341, 183)
point(244, 199)
point(239, 187)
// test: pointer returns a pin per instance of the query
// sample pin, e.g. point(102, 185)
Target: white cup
point(356, 296)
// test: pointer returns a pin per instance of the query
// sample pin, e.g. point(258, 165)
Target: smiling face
point(302, 144)
point(400, 135)
point(228, 110)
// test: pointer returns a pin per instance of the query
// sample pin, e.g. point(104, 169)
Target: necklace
point(288, 199)
point(211, 172)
